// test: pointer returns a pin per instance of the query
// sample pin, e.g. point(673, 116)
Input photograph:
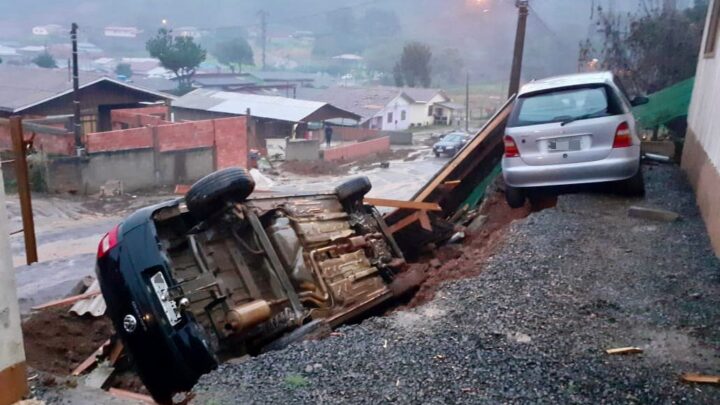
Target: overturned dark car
point(194, 281)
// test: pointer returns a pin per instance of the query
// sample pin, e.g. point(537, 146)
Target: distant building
point(50, 29)
point(192, 32)
point(701, 153)
point(390, 108)
point(121, 32)
point(40, 93)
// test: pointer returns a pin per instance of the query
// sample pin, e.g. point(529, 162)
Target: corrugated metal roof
point(279, 108)
point(94, 306)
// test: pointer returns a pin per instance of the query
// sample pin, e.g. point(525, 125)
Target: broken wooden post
point(13, 381)
point(23, 184)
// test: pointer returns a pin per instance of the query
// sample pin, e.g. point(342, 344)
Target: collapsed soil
point(459, 261)
point(57, 341)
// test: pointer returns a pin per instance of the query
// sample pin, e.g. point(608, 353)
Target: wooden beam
point(700, 378)
point(413, 205)
point(90, 361)
point(624, 350)
point(66, 301)
point(425, 221)
point(117, 392)
point(403, 223)
point(23, 185)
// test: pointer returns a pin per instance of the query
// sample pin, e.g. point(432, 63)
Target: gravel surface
point(568, 283)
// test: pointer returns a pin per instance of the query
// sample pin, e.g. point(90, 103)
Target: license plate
point(565, 145)
point(161, 291)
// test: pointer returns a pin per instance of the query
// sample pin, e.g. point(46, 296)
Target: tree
point(649, 51)
point(178, 54)
point(413, 69)
point(45, 60)
point(124, 69)
point(234, 53)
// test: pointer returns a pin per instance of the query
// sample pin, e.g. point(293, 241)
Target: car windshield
point(564, 105)
point(454, 138)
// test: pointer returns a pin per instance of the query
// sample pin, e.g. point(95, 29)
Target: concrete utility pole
point(77, 125)
point(263, 34)
point(516, 70)
point(13, 378)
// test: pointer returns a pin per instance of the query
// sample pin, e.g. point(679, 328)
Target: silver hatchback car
point(570, 130)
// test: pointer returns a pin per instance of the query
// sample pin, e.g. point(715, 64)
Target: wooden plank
point(442, 176)
point(700, 378)
point(116, 352)
point(624, 350)
point(91, 360)
point(425, 221)
point(413, 205)
point(66, 301)
point(182, 189)
point(404, 222)
point(117, 392)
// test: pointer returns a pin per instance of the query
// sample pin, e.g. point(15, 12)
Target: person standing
point(328, 135)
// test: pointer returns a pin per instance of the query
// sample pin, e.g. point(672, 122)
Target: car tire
point(353, 189)
point(634, 186)
point(212, 192)
point(515, 196)
point(297, 335)
point(437, 154)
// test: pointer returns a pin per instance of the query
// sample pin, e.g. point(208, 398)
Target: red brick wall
point(357, 150)
point(139, 117)
point(231, 142)
point(124, 139)
point(227, 135)
point(186, 135)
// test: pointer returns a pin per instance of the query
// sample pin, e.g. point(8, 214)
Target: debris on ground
point(624, 350)
point(653, 214)
point(700, 378)
point(57, 341)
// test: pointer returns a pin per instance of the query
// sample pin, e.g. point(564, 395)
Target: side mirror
point(639, 100)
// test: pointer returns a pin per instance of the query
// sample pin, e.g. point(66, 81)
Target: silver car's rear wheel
point(515, 196)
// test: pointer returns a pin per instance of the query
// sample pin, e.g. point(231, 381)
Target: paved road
point(568, 283)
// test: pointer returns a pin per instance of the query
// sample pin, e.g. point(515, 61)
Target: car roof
point(566, 81)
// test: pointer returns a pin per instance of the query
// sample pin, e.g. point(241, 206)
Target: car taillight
point(108, 241)
point(623, 137)
point(511, 149)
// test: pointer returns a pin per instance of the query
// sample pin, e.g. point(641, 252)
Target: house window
point(389, 118)
point(712, 32)
point(402, 115)
point(430, 109)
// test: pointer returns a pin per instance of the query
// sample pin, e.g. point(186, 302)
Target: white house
point(701, 153)
point(122, 32)
point(413, 107)
point(388, 108)
point(50, 29)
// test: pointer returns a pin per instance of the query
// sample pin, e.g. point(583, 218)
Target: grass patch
point(295, 381)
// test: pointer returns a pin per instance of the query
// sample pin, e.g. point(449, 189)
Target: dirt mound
point(57, 341)
point(468, 259)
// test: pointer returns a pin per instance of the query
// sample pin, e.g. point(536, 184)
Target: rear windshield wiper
point(580, 117)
